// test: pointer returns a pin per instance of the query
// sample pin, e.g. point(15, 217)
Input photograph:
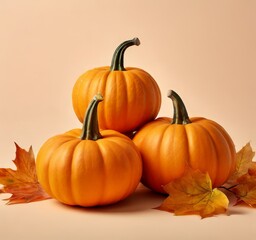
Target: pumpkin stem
point(180, 114)
point(117, 63)
point(90, 129)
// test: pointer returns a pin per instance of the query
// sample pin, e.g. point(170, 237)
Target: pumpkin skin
point(128, 93)
point(169, 146)
point(89, 172)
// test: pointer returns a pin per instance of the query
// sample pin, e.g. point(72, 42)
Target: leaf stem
point(229, 189)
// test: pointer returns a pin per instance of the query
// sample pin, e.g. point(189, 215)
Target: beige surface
point(205, 50)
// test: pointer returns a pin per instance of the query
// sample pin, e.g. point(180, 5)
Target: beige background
point(205, 50)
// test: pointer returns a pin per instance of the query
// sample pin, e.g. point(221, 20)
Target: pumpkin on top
point(131, 95)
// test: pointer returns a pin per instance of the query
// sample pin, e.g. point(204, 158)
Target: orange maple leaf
point(193, 194)
point(22, 183)
point(245, 190)
point(243, 181)
point(244, 162)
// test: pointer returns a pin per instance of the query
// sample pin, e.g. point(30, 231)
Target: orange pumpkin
point(131, 95)
point(87, 167)
point(168, 146)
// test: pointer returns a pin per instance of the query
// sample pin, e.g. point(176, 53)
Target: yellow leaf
point(193, 194)
point(22, 183)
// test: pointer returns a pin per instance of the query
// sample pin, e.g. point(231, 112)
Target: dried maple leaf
point(245, 190)
point(243, 163)
point(193, 194)
point(22, 183)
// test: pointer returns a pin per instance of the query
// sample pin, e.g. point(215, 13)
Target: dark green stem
point(90, 129)
point(180, 114)
point(117, 63)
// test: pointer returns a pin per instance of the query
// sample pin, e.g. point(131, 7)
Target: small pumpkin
point(88, 167)
point(131, 95)
point(168, 146)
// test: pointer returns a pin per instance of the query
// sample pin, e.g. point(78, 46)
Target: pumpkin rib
point(103, 147)
point(66, 194)
point(85, 178)
point(227, 137)
point(78, 95)
point(132, 182)
point(141, 101)
point(150, 158)
point(125, 98)
point(136, 98)
point(170, 131)
point(153, 87)
point(87, 86)
point(228, 141)
point(72, 191)
point(103, 175)
point(113, 150)
point(52, 168)
point(182, 161)
point(121, 101)
point(43, 151)
point(217, 164)
point(102, 88)
point(199, 150)
point(105, 116)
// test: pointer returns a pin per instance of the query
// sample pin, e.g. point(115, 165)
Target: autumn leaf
point(243, 182)
point(244, 162)
point(245, 190)
point(22, 183)
point(193, 194)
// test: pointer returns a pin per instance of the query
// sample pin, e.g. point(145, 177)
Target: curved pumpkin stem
point(180, 114)
point(90, 129)
point(117, 63)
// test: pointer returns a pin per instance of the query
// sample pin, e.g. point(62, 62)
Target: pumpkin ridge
point(100, 198)
point(47, 183)
point(84, 84)
point(112, 150)
point(126, 97)
point(217, 166)
point(187, 144)
point(121, 86)
point(146, 179)
point(52, 181)
point(72, 193)
point(69, 193)
point(102, 88)
point(163, 147)
point(103, 189)
point(227, 139)
point(193, 133)
point(131, 170)
point(154, 89)
point(140, 87)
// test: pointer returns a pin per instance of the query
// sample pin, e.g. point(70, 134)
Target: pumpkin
point(88, 167)
point(131, 95)
point(169, 146)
